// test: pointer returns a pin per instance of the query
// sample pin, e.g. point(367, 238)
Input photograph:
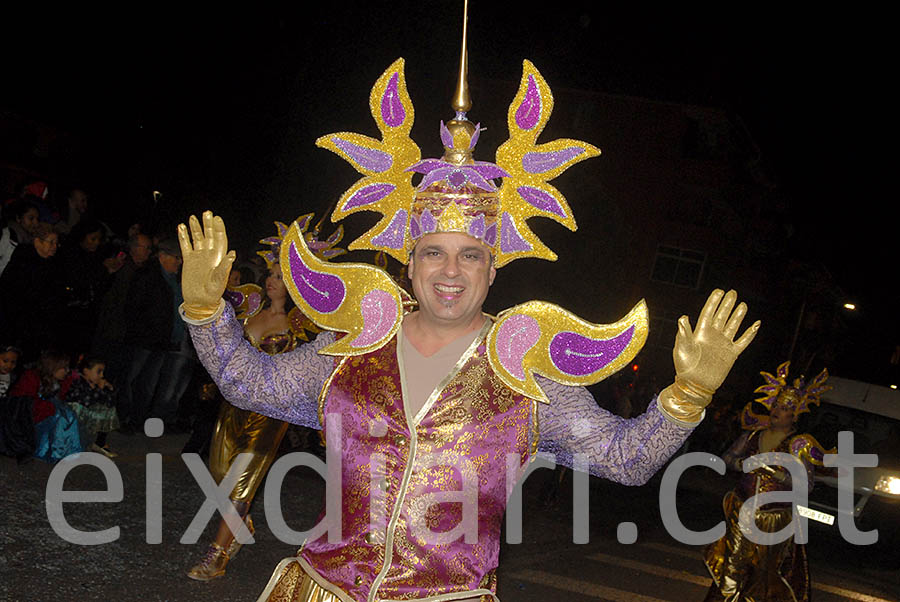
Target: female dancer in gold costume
point(275, 326)
point(744, 571)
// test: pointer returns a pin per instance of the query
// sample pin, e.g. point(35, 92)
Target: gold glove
point(207, 263)
point(704, 356)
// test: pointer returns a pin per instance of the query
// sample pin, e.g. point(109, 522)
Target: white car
point(872, 413)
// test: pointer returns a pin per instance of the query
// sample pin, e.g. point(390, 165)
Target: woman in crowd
point(87, 276)
point(32, 294)
point(742, 570)
point(25, 218)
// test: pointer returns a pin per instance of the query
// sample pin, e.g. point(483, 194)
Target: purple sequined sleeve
point(284, 386)
point(625, 450)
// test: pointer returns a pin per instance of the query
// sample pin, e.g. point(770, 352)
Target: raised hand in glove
point(207, 263)
point(704, 356)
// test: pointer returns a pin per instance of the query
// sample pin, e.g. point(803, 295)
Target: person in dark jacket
point(112, 322)
point(32, 294)
point(87, 277)
point(152, 332)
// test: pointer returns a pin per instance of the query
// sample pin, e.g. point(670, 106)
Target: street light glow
point(849, 306)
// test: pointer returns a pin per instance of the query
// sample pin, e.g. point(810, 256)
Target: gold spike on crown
point(456, 192)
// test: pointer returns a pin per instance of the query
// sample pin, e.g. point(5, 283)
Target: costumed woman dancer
point(434, 414)
point(744, 571)
point(272, 324)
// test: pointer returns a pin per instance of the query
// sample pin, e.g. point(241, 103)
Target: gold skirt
point(242, 431)
point(290, 583)
point(743, 571)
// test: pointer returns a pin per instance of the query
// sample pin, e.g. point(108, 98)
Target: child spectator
point(92, 399)
point(16, 427)
point(9, 357)
point(55, 425)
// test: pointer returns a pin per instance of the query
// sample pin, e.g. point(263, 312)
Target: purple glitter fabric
point(379, 311)
point(510, 239)
point(446, 136)
point(624, 450)
point(284, 386)
point(529, 112)
point(391, 108)
point(392, 236)
point(235, 298)
point(490, 236)
point(541, 162)
point(323, 292)
point(539, 199)
point(515, 337)
point(475, 136)
point(579, 355)
point(415, 230)
point(367, 158)
point(476, 227)
point(368, 195)
point(479, 173)
point(429, 224)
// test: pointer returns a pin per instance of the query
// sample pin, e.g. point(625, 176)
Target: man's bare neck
point(429, 338)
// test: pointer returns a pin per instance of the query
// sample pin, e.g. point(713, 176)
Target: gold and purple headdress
point(247, 299)
point(457, 193)
point(323, 249)
point(797, 396)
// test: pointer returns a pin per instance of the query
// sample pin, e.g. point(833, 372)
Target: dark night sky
point(222, 108)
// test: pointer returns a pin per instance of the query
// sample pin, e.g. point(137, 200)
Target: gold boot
point(212, 565)
point(234, 547)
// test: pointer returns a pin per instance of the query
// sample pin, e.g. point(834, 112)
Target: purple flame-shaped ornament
point(323, 292)
point(578, 355)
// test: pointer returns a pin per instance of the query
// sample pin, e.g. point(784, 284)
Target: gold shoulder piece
point(542, 338)
point(359, 299)
point(809, 450)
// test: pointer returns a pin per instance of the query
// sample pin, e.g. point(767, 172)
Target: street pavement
point(36, 564)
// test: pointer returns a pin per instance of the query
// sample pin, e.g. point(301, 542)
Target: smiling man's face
point(451, 273)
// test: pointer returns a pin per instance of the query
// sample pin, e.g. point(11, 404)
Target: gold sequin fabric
point(291, 584)
point(242, 431)
point(404, 518)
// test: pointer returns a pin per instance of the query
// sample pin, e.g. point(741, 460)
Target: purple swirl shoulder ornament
point(246, 300)
point(809, 450)
point(359, 299)
point(542, 338)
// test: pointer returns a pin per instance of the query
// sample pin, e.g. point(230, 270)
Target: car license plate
point(822, 517)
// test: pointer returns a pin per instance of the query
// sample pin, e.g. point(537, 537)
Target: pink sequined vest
point(466, 442)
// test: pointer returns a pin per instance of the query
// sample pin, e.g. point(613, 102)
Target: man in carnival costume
point(742, 570)
point(432, 408)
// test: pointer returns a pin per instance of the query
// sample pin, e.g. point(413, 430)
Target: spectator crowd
point(76, 294)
